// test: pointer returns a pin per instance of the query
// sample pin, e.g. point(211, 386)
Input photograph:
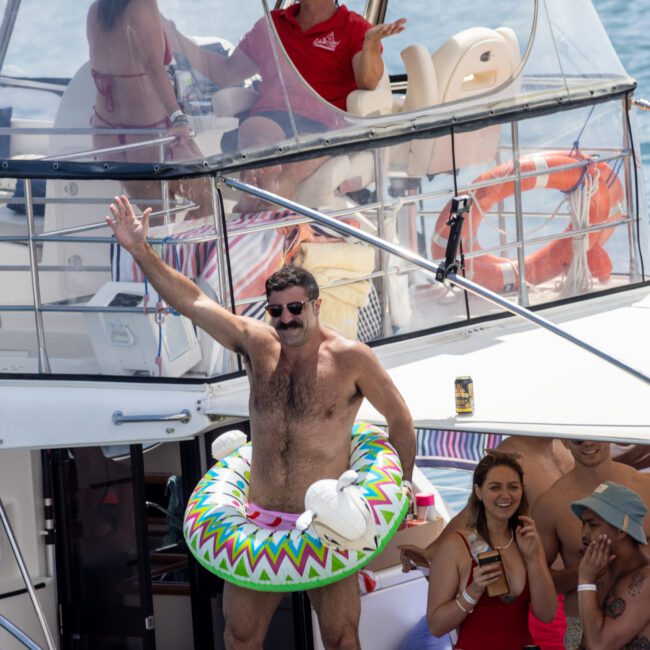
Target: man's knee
point(342, 637)
point(242, 636)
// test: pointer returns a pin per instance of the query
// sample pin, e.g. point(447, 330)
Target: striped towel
point(253, 256)
point(455, 444)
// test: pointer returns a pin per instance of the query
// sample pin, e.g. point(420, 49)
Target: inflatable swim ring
point(234, 548)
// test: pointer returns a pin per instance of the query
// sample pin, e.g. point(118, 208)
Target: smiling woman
point(463, 595)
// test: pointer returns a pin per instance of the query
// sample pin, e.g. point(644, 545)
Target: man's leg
point(279, 179)
point(338, 607)
point(248, 614)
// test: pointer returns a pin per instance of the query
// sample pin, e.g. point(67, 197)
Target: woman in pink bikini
point(129, 53)
point(458, 595)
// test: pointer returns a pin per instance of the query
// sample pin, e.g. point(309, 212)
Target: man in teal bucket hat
point(614, 574)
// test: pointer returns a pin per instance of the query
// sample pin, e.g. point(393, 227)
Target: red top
point(494, 623)
point(322, 54)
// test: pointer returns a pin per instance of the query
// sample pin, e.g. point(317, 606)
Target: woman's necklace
point(503, 548)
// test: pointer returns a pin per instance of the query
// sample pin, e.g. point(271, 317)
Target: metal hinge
point(149, 623)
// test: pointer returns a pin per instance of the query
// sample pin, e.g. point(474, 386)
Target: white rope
point(578, 277)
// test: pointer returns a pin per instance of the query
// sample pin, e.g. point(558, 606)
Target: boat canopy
point(534, 56)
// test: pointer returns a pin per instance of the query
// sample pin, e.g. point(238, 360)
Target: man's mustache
point(291, 325)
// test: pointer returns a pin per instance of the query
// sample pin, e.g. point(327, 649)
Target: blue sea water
point(628, 26)
point(454, 485)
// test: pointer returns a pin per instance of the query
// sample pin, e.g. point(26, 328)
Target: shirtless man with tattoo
point(560, 530)
point(614, 573)
point(306, 386)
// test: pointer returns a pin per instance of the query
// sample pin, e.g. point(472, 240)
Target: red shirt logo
point(328, 42)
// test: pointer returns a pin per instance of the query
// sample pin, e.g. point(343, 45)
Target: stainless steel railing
point(425, 264)
point(71, 235)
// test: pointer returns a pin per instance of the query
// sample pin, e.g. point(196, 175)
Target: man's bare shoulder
point(565, 482)
point(259, 334)
point(632, 478)
point(454, 543)
point(512, 445)
point(352, 350)
point(557, 495)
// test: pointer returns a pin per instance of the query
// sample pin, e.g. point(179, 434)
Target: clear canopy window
point(112, 74)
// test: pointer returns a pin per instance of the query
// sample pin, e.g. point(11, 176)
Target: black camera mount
point(460, 206)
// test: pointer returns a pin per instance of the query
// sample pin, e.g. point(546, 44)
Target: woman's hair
point(476, 515)
point(108, 11)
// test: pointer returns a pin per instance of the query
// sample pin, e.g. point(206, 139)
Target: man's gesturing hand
point(130, 231)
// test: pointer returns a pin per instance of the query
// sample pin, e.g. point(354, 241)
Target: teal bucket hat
point(617, 505)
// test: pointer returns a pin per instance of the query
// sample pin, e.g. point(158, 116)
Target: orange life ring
point(501, 274)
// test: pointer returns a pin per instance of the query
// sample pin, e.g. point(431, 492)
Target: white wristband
point(408, 484)
point(468, 598)
point(175, 115)
point(587, 586)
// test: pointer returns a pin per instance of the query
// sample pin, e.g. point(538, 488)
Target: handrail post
point(629, 171)
point(23, 571)
point(43, 361)
point(519, 218)
point(384, 258)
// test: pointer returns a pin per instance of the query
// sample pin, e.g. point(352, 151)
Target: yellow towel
point(334, 262)
point(339, 315)
point(339, 256)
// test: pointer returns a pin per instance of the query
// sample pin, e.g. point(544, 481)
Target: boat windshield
point(112, 74)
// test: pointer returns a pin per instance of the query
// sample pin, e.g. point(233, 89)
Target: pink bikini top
point(104, 80)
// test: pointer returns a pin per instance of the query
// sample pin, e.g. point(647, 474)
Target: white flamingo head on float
point(339, 514)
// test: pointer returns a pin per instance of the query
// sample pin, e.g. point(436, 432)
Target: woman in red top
point(457, 595)
point(335, 51)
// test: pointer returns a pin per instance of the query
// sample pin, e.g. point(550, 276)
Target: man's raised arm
point(221, 69)
point(367, 64)
point(177, 290)
point(545, 517)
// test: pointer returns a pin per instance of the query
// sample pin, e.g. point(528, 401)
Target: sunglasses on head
point(295, 308)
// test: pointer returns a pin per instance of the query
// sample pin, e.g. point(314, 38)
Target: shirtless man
point(560, 530)
point(306, 385)
point(614, 573)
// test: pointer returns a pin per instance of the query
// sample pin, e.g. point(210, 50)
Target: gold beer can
point(464, 390)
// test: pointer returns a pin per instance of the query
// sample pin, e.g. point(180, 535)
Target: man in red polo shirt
point(334, 49)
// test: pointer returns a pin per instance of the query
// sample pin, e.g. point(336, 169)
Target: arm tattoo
point(635, 583)
point(614, 607)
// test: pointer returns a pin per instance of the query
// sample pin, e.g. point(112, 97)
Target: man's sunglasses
point(295, 308)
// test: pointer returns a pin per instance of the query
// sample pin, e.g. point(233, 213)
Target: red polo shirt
point(322, 54)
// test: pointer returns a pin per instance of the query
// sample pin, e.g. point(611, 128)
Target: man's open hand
point(130, 231)
point(383, 30)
